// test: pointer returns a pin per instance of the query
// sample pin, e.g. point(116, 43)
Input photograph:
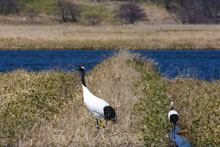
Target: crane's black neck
point(83, 77)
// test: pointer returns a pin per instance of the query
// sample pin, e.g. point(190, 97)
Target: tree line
point(196, 11)
point(189, 11)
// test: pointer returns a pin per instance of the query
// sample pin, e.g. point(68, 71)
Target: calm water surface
point(201, 64)
point(37, 60)
point(180, 141)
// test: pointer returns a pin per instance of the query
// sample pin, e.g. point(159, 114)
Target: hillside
point(48, 12)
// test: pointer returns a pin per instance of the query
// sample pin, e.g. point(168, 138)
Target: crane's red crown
point(81, 66)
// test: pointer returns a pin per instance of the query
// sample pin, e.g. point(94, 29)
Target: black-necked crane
point(97, 106)
point(173, 116)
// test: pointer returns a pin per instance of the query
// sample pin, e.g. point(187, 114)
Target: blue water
point(38, 60)
point(201, 64)
point(179, 140)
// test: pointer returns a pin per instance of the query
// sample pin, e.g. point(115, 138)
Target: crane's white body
point(172, 112)
point(94, 104)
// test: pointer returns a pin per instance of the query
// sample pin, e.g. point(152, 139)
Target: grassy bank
point(73, 125)
point(197, 102)
point(151, 109)
point(68, 36)
point(27, 98)
point(46, 108)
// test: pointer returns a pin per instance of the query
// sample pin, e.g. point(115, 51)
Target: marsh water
point(178, 140)
point(200, 64)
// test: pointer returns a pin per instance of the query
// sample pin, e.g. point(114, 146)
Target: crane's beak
point(74, 69)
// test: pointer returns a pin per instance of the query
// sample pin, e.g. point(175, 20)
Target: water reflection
point(178, 140)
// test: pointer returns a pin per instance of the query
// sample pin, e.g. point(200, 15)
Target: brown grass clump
point(75, 126)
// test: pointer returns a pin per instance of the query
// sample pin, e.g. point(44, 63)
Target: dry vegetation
point(28, 97)
point(75, 126)
point(140, 96)
point(110, 37)
point(198, 103)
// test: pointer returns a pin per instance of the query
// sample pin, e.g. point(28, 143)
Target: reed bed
point(75, 126)
point(46, 108)
point(198, 103)
point(139, 36)
point(27, 98)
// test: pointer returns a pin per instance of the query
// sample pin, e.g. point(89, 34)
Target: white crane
point(98, 107)
point(173, 116)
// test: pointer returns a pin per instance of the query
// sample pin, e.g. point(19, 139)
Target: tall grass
point(27, 98)
point(198, 103)
point(75, 126)
point(109, 37)
point(46, 108)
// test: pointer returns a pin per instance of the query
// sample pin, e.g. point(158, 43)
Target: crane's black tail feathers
point(174, 118)
point(109, 114)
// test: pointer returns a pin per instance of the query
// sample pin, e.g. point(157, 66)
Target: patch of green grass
point(98, 11)
point(88, 10)
point(43, 6)
point(150, 109)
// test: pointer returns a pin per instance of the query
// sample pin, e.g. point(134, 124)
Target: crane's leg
point(97, 126)
point(101, 123)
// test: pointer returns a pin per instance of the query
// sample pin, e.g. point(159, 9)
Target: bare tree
point(130, 12)
point(167, 4)
point(214, 9)
point(68, 9)
point(199, 11)
point(10, 6)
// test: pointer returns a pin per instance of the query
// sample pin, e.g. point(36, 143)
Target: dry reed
point(198, 103)
point(75, 126)
point(140, 96)
point(138, 36)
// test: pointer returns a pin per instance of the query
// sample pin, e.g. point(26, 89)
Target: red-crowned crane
point(97, 106)
point(173, 116)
